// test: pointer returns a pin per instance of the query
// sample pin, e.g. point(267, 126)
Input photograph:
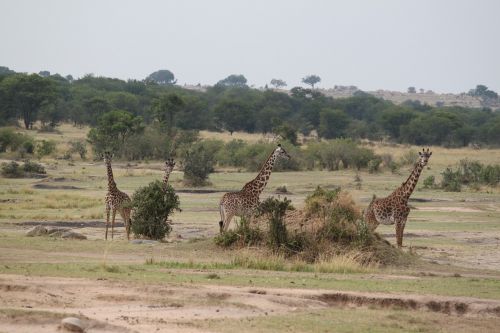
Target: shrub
point(374, 165)
point(429, 182)
point(451, 180)
point(199, 162)
point(12, 141)
point(27, 170)
point(226, 238)
point(275, 210)
point(44, 148)
point(33, 167)
point(152, 205)
point(490, 175)
point(244, 234)
point(78, 147)
point(12, 170)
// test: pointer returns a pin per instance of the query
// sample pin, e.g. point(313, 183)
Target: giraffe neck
point(406, 189)
point(257, 185)
point(165, 178)
point(111, 180)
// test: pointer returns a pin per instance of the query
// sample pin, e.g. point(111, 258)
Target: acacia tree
point(311, 80)
point(163, 76)
point(277, 83)
point(24, 96)
point(113, 130)
point(233, 80)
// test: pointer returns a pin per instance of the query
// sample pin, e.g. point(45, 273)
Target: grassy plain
point(456, 237)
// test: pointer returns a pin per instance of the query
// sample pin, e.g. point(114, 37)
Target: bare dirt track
point(39, 303)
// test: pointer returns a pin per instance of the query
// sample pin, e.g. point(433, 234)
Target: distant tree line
point(128, 107)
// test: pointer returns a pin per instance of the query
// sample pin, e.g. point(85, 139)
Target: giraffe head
point(169, 165)
point(107, 156)
point(424, 156)
point(280, 152)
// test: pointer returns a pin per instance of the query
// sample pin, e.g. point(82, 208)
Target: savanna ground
point(187, 284)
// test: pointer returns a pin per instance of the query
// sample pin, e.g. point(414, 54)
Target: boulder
point(72, 324)
point(39, 230)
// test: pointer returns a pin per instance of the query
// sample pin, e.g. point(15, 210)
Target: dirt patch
point(113, 306)
point(451, 209)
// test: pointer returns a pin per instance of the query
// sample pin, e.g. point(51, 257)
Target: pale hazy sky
point(443, 45)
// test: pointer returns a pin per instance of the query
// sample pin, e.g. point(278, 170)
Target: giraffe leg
point(399, 233)
point(113, 215)
point(229, 217)
point(107, 223)
point(400, 227)
point(126, 219)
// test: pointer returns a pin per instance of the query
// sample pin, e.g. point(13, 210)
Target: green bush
point(490, 175)
point(451, 180)
point(226, 238)
point(243, 234)
point(199, 162)
point(78, 147)
point(45, 148)
point(152, 205)
point(430, 182)
point(275, 210)
point(12, 170)
point(27, 170)
point(12, 141)
point(470, 173)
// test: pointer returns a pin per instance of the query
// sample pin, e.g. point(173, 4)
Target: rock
point(39, 230)
point(72, 324)
point(143, 241)
point(73, 235)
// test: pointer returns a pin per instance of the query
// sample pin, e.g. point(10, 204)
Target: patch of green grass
point(344, 320)
point(438, 285)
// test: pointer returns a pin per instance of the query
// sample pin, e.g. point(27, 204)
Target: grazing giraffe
point(394, 208)
point(245, 202)
point(169, 166)
point(116, 200)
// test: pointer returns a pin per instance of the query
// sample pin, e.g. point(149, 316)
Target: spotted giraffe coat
point(394, 209)
point(245, 202)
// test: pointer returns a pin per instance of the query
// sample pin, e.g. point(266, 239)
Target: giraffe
point(244, 202)
point(394, 208)
point(169, 166)
point(116, 200)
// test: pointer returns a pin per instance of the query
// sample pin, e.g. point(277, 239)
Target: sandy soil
point(108, 306)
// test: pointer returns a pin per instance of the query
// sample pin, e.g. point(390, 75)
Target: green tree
point(163, 77)
point(412, 90)
point(113, 130)
point(165, 107)
point(233, 81)
point(311, 80)
point(24, 95)
point(333, 123)
point(277, 83)
point(234, 114)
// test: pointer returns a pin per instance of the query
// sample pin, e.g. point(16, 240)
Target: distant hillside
point(428, 97)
